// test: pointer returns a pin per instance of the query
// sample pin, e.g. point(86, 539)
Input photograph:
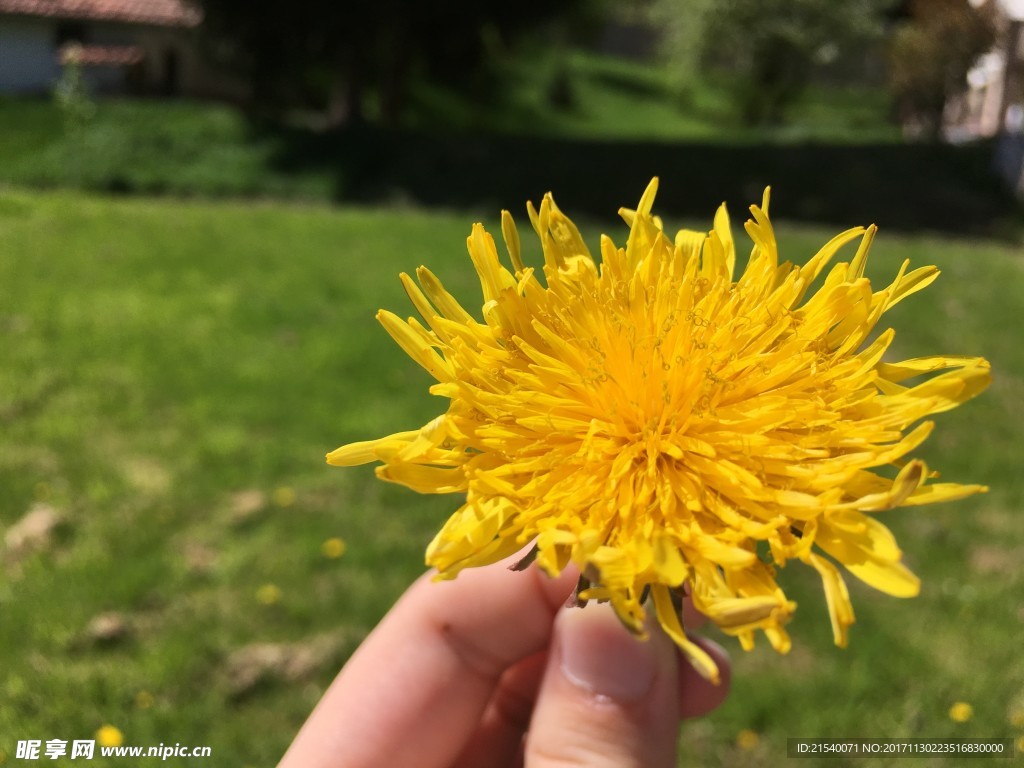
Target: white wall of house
point(27, 60)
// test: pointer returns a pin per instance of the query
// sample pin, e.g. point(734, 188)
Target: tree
point(334, 55)
point(682, 27)
point(768, 47)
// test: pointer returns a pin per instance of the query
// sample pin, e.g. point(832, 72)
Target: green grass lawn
point(171, 374)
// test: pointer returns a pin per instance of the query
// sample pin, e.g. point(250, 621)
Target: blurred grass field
point(171, 374)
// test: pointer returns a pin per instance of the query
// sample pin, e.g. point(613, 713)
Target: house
point(992, 101)
point(122, 46)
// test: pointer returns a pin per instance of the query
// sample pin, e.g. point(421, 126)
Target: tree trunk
point(396, 77)
point(345, 104)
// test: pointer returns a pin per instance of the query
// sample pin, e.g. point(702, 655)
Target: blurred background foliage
point(837, 104)
point(363, 63)
point(771, 50)
point(338, 57)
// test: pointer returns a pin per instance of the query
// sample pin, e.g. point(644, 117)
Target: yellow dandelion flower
point(747, 739)
point(669, 428)
point(268, 594)
point(333, 548)
point(961, 712)
point(284, 496)
point(109, 736)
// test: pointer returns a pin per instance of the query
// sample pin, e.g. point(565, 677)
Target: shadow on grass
point(943, 188)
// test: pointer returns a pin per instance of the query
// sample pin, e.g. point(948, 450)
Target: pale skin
point(493, 669)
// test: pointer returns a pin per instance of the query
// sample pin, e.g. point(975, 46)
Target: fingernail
point(600, 656)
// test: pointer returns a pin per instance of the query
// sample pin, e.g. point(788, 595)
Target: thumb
point(607, 699)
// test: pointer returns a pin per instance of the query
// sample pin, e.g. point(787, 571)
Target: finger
point(607, 699)
point(508, 714)
point(692, 618)
point(501, 729)
point(415, 690)
point(697, 695)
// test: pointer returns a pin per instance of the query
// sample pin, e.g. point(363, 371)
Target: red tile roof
point(170, 13)
point(101, 55)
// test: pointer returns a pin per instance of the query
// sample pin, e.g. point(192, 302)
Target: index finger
point(414, 691)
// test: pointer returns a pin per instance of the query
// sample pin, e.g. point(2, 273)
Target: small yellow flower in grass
point(670, 428)
point(109, 736)
point(961, 712)
point(1020, 745)
point(268, 594)
point(284, 496)
point(144, 700)
point(1017, 718)
point(333, 548)
point(747, 739)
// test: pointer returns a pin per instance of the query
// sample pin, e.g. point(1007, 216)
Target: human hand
point(491, 669)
